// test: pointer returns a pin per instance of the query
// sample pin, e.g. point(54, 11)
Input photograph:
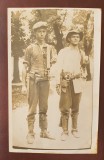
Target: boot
point(64, 135)
point(43, 126)
point(45, 134)
point(31, 135)
point(43, 121)
point(30, 138)
point(65, 132)
point(74, 131)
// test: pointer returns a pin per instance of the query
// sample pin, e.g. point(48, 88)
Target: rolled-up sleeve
point(84, 58)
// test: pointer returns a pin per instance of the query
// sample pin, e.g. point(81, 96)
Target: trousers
point(38, 95)
point(69, 100)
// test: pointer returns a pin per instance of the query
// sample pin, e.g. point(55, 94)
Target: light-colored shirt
point(69, 60)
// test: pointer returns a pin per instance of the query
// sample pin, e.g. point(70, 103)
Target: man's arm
point(53, 55)
point(59, 65)
point(84, 62)
point(24, 76)
point(26, 64)
point(84, 58)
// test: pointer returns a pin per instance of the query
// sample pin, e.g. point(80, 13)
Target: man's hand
point(77, 75)
point(86, 60)
point(24, 89)
point(53, 60)
point(58, 89)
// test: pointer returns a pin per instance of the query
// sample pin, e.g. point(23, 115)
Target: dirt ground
point(19, 123)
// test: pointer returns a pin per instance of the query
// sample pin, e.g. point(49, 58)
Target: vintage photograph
point(53, 79)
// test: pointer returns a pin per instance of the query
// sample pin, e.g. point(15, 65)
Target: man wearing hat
point(69, 62)
point(37, 60)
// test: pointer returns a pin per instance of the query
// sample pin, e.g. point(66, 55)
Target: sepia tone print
point(53, 66)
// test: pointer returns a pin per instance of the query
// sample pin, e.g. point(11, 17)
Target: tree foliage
point(17, 38)
point(59, 22)
point(84, 19)
point(17, 42)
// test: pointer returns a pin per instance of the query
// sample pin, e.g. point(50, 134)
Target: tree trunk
point(59, 37)
point(16, 77)
point(87, 46)
point(87, 52)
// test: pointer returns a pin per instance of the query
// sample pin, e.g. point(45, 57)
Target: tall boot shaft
point(74, 122)
point(31, 135)
point(74, 131)
point(64, 123)
point(30, 126)
point(43, 121)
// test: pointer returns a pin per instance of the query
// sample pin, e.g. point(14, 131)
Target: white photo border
point(96, 87)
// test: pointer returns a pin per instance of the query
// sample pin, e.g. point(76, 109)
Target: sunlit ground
point(19, 129)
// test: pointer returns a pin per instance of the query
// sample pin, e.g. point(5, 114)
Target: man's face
point(74, 39)
point(41, 33)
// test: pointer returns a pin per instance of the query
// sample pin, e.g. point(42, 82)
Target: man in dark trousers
point(37, 61)
point(69, 62)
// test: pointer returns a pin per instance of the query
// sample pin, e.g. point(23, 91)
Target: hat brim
point(43, 27)
point(39, 25)
point(71, 33)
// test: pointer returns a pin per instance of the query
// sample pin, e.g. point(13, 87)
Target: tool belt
point(67, 77)
point(64, 80)
point(38, 76)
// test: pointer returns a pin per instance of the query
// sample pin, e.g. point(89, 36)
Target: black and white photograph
point(53, 79)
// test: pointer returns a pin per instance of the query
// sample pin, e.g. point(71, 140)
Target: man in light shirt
point(69, 62)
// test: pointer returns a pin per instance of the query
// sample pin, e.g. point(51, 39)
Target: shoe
point(75, 133)
point(45, 134)
point(30, 138)
point(64, 135)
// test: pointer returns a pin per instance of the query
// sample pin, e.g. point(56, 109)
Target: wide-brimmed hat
point(39, 25)
point(71, 32)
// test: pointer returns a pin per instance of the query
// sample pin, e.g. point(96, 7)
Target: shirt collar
point(44, 45)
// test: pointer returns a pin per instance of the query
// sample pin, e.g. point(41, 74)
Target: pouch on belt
point(64, 85)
